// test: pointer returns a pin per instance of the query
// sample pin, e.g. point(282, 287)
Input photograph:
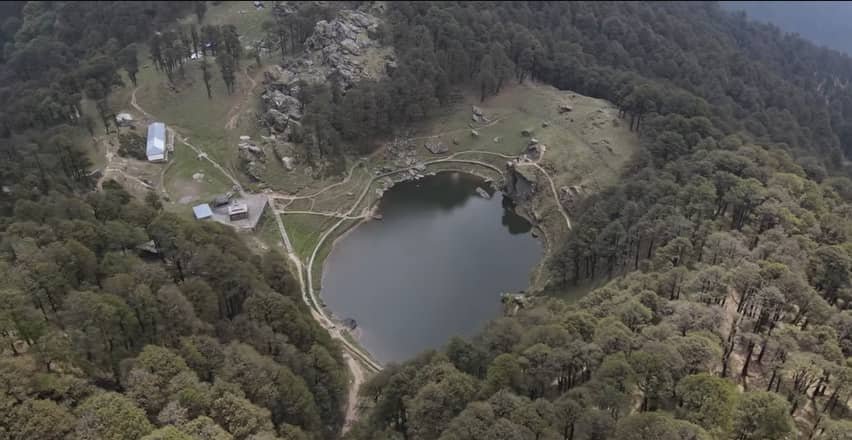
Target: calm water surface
point(433, 268)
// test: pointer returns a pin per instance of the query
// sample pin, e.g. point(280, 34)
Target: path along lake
point(432, 268)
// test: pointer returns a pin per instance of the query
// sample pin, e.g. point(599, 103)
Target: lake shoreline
point(478, 179)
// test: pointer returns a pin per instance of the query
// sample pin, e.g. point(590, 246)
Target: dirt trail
point(115, 165)
point(235, 111)
point(537, 166)
point(352, 397)
point(278, 195)
point(325, 214)
point(552, 188)
point(178, 136)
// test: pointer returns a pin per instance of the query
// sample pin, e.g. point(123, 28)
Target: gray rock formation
point(286, 104)
point(344, 47)
point(436, 147)
point(252, 160)
point(337, 44)
point(520, 184)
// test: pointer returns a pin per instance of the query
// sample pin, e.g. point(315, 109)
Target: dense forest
point(726, 246)
point(823, 22)
point(120, 320)
point(723, 256)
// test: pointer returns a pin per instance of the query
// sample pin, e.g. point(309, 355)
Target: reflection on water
point(433, 268)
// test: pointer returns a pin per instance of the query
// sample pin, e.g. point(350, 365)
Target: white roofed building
point(156, 143)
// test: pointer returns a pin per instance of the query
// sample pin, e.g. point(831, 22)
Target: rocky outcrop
point(436, 147)
point(252, 160)
point(284, 103)
point(345, 49)
point(288, 153)
point(520, 184)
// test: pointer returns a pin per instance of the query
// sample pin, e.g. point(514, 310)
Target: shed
point(123, 119)
point(202, 211)
point(238, 211)
point(156, 144)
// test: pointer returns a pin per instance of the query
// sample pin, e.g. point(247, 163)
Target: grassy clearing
point(586, 146)
point(242, 14)
point(325, 250)
point(267, 231)
point(341, 198)
point(305, 230)
point(180, 185)
point(186, 107)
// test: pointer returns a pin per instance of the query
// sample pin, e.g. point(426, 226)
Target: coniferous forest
point(723, 256)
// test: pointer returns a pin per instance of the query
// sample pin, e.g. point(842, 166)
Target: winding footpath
point(236, 110)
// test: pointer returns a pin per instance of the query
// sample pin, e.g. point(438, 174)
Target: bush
point(131, 145)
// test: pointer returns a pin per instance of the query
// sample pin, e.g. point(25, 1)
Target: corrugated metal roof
point(156, 144)
point(202, 211)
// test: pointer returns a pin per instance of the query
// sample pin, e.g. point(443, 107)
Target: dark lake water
point(433, 268)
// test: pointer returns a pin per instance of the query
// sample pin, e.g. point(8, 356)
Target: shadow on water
point(433, 268)
point(513, 222)
point(446, 190)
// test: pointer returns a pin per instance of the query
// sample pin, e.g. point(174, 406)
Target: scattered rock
point(287, 162)
point(497, 140)
point(198, 177)
point(245, 138)
point(533, 141)
point(476, 111)
point(527, 132)
point(455, 141)
point(545, 124)
point(565, 108)
point(436, 147)
point(474, 133)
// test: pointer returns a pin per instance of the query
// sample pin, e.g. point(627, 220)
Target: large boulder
point(252, 160)
point(284, 103)
point(436, 147)
point(520, 183)
point(276, 121)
